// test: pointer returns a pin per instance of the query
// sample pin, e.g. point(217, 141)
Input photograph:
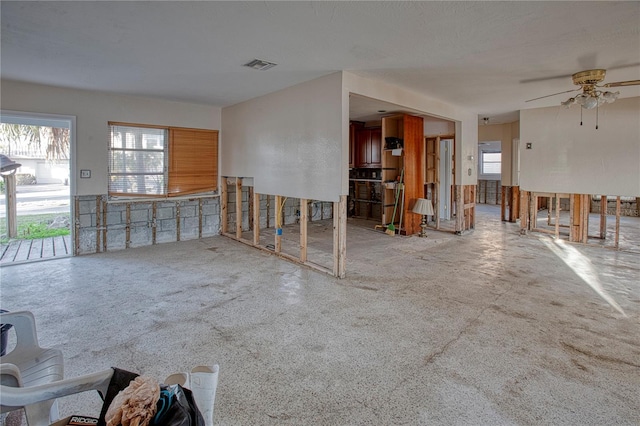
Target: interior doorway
point(36, 214)
point(446, 178)
point(489, 190)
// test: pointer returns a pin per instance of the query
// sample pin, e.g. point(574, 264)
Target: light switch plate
point(85, 174)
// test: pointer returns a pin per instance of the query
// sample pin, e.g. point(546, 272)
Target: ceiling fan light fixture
point(592, 95)
point(590, 102)
point(610, 97)
point(581, 98)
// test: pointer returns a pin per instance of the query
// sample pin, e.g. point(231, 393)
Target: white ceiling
point(487, 57)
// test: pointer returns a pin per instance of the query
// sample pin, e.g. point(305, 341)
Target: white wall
point(466, 122)
point(437, 127)
point(567, 157)
point(93, 110)
point(291, 142)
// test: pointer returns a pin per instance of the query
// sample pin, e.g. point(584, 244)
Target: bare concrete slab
point(486, 328)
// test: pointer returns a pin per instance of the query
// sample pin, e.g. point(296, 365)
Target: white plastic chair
point(28, 365)
point(31, 377)
point(35, 398)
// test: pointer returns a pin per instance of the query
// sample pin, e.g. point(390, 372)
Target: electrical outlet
point(85, 174)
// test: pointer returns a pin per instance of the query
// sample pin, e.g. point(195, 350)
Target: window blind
point(193, 156)
point(137, 160)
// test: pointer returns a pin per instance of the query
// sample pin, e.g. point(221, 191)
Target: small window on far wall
point(158, 161)
point(491, 163)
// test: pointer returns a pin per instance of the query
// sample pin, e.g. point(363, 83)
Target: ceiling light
point(610, 96)
point(260, 65)
point(590, 102)
point(592, 96)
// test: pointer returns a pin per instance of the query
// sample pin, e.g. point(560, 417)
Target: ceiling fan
point(592, 95)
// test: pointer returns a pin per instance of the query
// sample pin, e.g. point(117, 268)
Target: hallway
point(486, 328)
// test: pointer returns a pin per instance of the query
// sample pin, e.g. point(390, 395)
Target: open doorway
point(489, 192)
point(446, 180)
point(35, 210)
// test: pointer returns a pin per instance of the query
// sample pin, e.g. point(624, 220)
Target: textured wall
point(566, 157)
point(290, 142)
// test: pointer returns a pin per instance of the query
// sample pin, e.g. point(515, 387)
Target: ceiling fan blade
point(622, 83)
point(559, 93)
point(536, 80)
point(589, 59)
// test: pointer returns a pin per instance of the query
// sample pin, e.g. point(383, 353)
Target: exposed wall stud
point(127, 242)
point(303, 229)
point(238, 207)
point(268, 203)
point(617, 237)
point(98, 222)
point(224, 201)
point(458, 197)
point(177, 220)
point(524, 208)
point(514, 204)
point(586, 207)
point(603, 217)
point(278, 233)
point(557, 230)
point(104, 228)
point(250, 205)
point(76, 245)
point(341, 209)
point(336, 247)
point(154, 225)
point(256, 219)
point(533, 211)
point(199, 217)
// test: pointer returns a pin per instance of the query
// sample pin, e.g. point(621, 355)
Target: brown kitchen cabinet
point(368, 148)
point(354, 126)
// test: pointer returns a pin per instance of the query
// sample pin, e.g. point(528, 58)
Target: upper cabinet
point(353, 128)
point(368, 148)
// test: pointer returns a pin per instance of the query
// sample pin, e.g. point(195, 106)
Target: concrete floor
point(487, 328)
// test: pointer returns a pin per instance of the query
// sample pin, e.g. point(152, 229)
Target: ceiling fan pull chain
point(597, 109)
point(581, 115)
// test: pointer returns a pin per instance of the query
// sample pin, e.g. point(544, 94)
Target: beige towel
point(136, 404)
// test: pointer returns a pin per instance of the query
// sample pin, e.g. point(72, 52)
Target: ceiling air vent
point(259, 64)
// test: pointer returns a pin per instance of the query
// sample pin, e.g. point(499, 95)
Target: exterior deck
point(18, 251)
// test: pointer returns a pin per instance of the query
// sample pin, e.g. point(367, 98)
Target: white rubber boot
point(204, 381)
point(181, 379)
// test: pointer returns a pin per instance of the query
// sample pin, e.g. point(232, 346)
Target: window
point(161, 161)
point(491, 163)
